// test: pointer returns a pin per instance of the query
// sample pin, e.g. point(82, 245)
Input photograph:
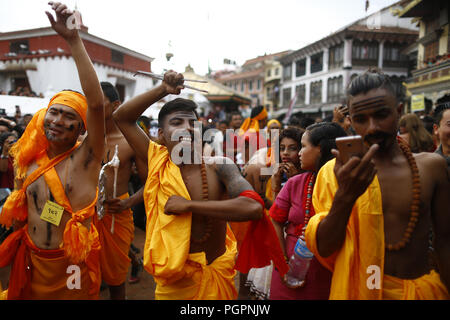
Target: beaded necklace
point(205, 197)
point(415, 204)
point(308, 202)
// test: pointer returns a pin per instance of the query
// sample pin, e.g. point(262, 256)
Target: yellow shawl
point(363, 246)
point(167, 242)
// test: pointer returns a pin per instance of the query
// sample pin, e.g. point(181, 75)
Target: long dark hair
point(324, 134)
point(293, 133)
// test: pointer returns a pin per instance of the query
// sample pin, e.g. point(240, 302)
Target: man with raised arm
point(374, 214)
point(54, 250)
point(189, 248)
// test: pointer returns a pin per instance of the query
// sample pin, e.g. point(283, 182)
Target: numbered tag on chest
point(52, 213)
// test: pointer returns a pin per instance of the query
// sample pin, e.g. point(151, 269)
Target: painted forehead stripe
point(369, 106)
point(369, 100)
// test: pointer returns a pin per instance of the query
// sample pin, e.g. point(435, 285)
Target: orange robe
point(363, 247)
point(179, 274)
point(114, 259)
point(80, 245)
point(47, 274)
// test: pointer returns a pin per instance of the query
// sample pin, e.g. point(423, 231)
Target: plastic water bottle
point(298, 264)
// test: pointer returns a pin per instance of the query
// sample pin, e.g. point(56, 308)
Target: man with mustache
point(54, 250)
point(189, 248)
point(374, 214)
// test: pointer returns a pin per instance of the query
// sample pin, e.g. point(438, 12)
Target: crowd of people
point(377, 224)
point(22, 92)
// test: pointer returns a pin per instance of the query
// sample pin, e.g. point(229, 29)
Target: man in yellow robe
point(189, 248)
point(369, 229)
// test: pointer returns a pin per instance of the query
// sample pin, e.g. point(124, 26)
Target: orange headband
point(33, 142)
point(262, 115)
point(72, 99)
point(253, 123)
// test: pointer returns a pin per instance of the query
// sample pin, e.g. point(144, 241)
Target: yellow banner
point(417, 102)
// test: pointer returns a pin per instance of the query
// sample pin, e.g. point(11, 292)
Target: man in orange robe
point(189, 248)
point(367, 229)
point(116, 227)
point(54, 250)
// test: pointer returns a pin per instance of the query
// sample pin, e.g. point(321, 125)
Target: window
point(431, 50)
point(365, 50)
point(300, 91)
point(116, 56)
point(336, 56)
point(250, 85)
point(258, 84)
point(315, 92)
point(268, 73)
point(287, 72)
point(300, 68)
point(391, 53)
point(286, 97)
point(242, 85)
point(277, 71)
point(317, 62)
point(19, 47)
point(335, 91)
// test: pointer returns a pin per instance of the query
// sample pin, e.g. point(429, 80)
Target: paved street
point(145, 288)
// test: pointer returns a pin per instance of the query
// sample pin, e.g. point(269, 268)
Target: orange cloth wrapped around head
point(33, 145)
point(252, 123)
point(33, 141)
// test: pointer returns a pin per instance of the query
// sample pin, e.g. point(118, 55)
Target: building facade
point(319, 73)
point(251, 79)
point(41, 60)
point(430, 80)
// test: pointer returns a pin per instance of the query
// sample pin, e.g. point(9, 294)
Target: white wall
point(27, 104)
point(58, 73)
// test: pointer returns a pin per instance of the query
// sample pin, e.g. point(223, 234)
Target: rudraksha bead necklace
point(205, 197)
point(415, 204)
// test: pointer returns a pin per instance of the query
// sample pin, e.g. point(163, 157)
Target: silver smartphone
point(350, 146)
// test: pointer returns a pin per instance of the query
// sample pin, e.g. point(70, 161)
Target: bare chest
point(202, 186)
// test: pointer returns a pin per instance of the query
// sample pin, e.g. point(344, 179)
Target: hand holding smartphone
point(350, 146)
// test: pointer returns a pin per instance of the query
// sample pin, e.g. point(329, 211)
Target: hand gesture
point(173, 82)
point(276, 177)
point(356, 174)
point(60, 25)
point(176, 205)
point(290, 169)
point(339, 114)
point(115, 205)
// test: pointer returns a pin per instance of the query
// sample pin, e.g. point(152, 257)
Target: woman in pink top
point(290, 206)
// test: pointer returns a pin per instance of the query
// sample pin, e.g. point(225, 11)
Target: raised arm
point(237, 208)
point(128, 113)
point(95, 140)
